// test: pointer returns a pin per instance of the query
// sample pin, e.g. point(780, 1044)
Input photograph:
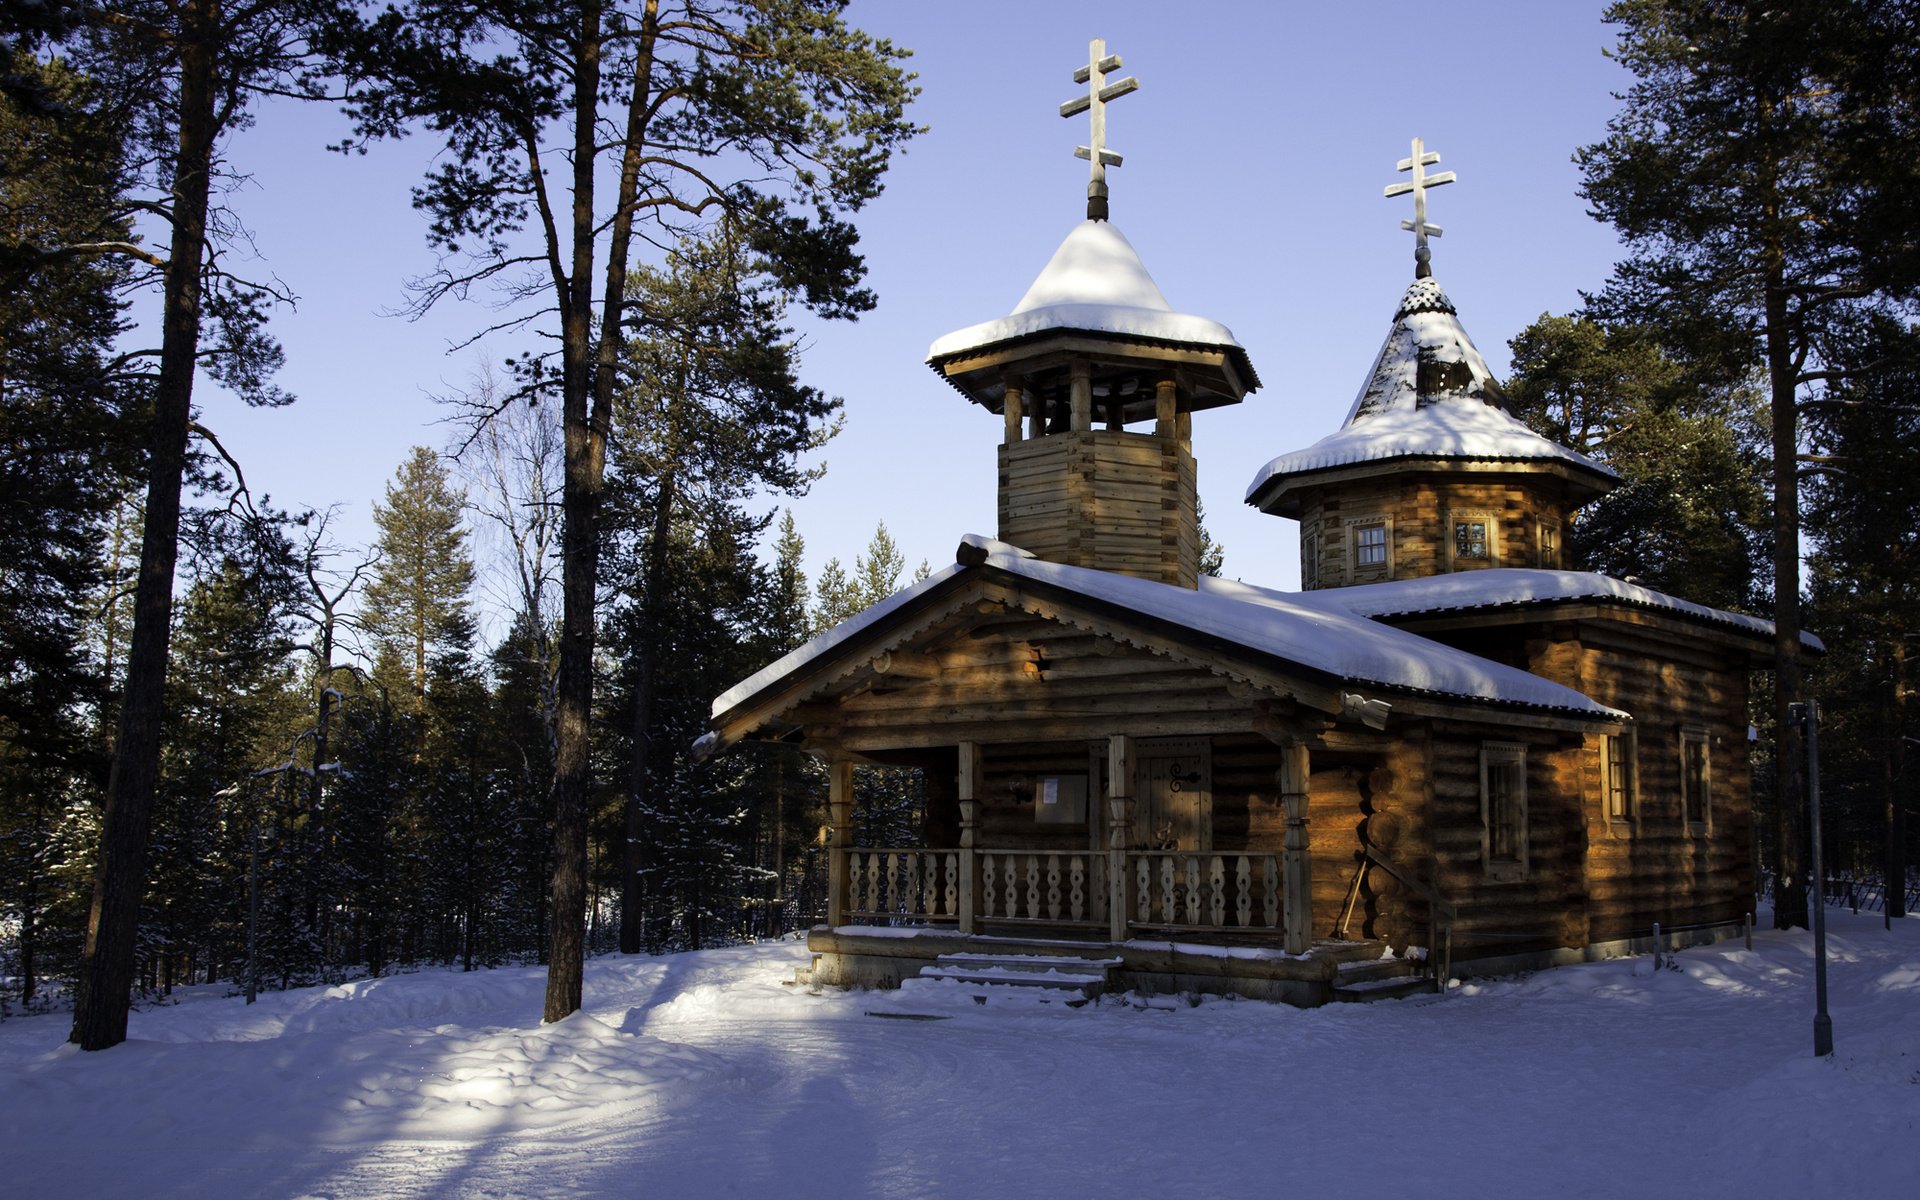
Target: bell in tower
point(1096, 378)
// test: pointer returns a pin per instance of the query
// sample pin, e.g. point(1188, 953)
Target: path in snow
point(699, 1075)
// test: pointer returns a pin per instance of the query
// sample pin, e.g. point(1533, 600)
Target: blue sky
point(1256, 150)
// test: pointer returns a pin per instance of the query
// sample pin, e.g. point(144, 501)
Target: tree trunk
point(1789, 885)
point(1896, 777)
point(105, 979)
point(633, 858)
point(586, 439)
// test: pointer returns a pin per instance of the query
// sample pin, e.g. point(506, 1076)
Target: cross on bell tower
point(1099, 92)
point(1418, 163)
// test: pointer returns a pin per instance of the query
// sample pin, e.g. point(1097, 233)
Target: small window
point(1550, 546)
point(1470, 539)
point(1503, 808)
point(1696, 778)
point(1309, 560)
point(1617, 772)
point(1370, 546)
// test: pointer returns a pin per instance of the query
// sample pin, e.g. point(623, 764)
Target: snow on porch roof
point(1502, 586)
point(1429, 395)
point(1322, 638)
point(1095, 282)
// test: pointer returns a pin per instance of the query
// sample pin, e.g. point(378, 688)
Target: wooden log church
point(1447, 745)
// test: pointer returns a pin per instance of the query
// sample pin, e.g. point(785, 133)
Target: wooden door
point(1173, 794)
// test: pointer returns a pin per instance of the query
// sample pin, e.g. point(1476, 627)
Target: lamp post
point(1808, 715)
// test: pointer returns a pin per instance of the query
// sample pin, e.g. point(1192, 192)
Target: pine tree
point(417, 602)
point(1689, 513)
point(805, 108)
point(178, 77)
point(1748, 174)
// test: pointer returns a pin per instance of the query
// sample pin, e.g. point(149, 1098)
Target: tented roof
point(1430, 395)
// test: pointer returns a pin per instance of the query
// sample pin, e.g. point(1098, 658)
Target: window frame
point(1371, 571)
point(1620, 750)
point(1309, 559)
point(1548, 533)
point(1485, 517)
point(1514, 755)
point(1696, 736)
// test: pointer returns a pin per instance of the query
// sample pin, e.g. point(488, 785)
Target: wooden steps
point(952, 981)
point(1380, 979)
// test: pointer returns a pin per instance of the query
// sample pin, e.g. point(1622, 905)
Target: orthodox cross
point(1418, 185)
point(1099, 92)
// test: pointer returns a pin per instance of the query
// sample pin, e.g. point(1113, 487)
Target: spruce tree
point(417, 603)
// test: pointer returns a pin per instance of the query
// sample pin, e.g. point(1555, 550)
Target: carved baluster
point(1217, 869)
point(1166, 889)
point(1053, 887)
point(1144, 873)
point(1242, 883)
point(989, 876)
point(854, 878)
point(1078, 895)
point(1033, 885)
point(953, 883)
point(873, 882)
point(1193, 889)
point(1270, 870)
point(914, 896)
point(930, 883)
point(1098, 886)
point(893, 883)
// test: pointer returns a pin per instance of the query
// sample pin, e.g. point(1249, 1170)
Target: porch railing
point(1165, 890)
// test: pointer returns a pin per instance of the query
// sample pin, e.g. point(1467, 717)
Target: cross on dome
point(1417, 163)
point(1099, 92)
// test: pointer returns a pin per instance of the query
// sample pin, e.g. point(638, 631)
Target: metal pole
point(1822, 1023)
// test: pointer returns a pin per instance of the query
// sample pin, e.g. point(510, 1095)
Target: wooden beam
point(1010, 410)
point(1165, 399)
point(840, 813)
point(1120, 763)
point(902, 664)
point(1297, 859)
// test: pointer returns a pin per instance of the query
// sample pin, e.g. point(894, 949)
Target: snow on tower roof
point(1429, 395)
point(1095, 282)
point(1507, 587)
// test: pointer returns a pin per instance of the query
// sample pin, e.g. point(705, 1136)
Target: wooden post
point(1165, 400)
point(971, 779)
point(1010, 409)
point(839, 835)
point(1119, 821)
point(1036, 416)
point(1297, 860)
point(1081, 396)
point(1183, 430)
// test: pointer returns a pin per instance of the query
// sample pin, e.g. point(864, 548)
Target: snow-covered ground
point(700, 1075)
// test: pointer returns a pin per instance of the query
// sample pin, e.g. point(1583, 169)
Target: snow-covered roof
point(1320, 637)
point(1094, 282)
point(1504, 586)
point(1429, 395)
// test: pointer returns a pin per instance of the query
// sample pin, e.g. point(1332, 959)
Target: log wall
point(1104, 498)
point(1421, 508)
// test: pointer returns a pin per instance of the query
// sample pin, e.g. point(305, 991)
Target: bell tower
point(1096, 379)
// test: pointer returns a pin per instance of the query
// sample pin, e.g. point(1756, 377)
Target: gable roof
point(1322, 640)
point(1430, 395)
